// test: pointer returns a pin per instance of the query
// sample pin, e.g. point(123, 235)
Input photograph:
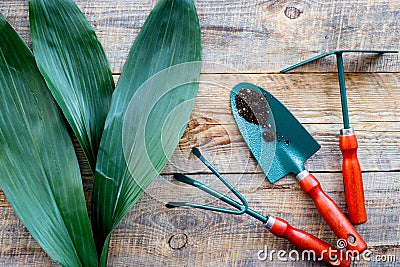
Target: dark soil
point(269, 136)
point(253, 107)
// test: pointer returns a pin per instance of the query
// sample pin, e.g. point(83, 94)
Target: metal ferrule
point(302, 175)
point(270, 222)
point(346, 132)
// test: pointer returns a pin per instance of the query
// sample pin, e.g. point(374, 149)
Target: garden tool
point(275, 225)
point(352, 177)
point(294, 145)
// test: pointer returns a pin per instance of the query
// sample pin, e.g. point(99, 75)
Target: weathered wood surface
point(254, 37)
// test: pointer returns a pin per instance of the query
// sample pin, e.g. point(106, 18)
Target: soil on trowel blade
point(253, 107)
point(269, 136)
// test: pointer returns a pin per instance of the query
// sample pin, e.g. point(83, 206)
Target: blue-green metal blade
point(293, 144)
point(252, 134)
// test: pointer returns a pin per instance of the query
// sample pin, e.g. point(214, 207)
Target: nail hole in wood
point(178, 241)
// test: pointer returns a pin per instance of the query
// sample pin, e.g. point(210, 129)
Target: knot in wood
point(178, 241)
point(292, 12)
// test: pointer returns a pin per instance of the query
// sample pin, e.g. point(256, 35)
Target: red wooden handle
point(352, 179)
point(332, 214)
point(311, 244)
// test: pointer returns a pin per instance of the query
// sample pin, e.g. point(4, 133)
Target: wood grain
point(226, 240)
point(253, 36)
point(251, 41)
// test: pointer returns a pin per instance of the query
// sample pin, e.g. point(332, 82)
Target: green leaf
point(39, 171)
point(147, 116)
point(75, 68)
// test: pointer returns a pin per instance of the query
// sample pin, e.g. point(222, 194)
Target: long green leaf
point(39, 171)
point(147, 116)
point(75, 68)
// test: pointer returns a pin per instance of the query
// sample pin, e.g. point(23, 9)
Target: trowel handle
point(331, 213)
point(307, 242)
point(352, 179)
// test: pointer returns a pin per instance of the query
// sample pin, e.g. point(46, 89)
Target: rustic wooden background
point(251, 41)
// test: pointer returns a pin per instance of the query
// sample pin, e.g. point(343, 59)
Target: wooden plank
point(226, 240)
point(253, 36)
point(313, 98)
point(226, 149)
point(315, 101)
point(374, 109)
point(377, 151)
point(152, 235)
